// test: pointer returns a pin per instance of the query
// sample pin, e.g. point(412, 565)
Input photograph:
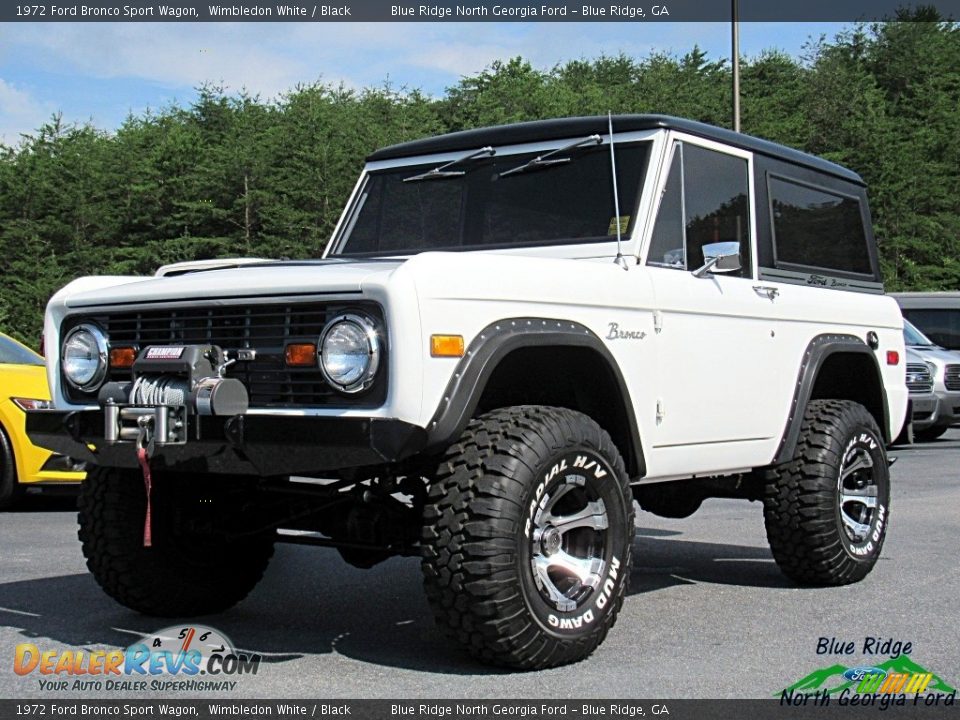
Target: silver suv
point(945, 367)
point(924, 405)
point(937, 314)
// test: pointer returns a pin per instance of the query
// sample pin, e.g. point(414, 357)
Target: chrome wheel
point(857, 494)
point(568, 544)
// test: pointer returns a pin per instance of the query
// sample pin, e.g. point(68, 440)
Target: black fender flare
point(495, 342)
point(818, 350)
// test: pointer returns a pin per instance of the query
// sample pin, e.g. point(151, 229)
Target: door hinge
point(657, 321)
point(659, 411)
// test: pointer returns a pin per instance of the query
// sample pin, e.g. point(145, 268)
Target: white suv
point(515, 332)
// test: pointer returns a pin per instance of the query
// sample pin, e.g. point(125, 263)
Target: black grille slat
point(264, 328)
point(951, 377)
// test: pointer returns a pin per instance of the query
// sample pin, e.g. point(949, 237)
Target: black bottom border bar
point(590, 709)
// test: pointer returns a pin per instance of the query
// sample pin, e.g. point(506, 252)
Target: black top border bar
point(467, 11)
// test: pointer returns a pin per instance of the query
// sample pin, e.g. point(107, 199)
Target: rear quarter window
point(815, 227)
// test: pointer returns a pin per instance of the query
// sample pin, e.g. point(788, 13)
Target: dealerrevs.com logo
point(178, 658)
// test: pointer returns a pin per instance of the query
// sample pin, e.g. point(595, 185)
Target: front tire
point(194, 567)
point(527, 537)
point(827, 510)
point(9, 486)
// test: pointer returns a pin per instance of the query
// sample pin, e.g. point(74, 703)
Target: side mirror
point(721, 257)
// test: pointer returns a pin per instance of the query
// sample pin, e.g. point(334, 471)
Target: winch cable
point(153, 390)
point(143, 457)
point(159, 390)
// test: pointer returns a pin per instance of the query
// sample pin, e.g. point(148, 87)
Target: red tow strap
point(144, 461)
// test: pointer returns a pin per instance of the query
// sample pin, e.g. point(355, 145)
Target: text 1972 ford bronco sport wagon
point(515, 332)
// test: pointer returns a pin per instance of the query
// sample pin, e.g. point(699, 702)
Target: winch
point(169, 384)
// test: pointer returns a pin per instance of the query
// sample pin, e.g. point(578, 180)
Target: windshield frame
point(572, 248)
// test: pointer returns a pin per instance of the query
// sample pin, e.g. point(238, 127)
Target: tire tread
point(470, 525)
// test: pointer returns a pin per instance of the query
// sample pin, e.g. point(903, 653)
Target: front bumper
point(949, 406)
point(924, 411)
point(264, 445)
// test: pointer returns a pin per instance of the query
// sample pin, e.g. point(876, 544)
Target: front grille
point(919, 379)
point(264, 328)
point(951, 377)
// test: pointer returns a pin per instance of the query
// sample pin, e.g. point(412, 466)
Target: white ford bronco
point(514, 334)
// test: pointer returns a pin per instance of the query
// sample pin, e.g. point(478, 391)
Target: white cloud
point(169, 55)
point(268, 58)
point(129, 66)
point(20, 112)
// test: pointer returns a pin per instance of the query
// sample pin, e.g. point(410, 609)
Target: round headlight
point(350, 353)
point(84, 357)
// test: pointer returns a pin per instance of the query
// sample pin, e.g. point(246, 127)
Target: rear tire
point(188, 570)
point(827, 510)
point(527, 537)
point(9, 484)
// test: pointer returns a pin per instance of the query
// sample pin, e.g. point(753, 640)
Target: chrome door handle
point(770, 293)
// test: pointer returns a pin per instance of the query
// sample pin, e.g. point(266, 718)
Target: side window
point(666, 245)
point(705, 201)
point(817, 228)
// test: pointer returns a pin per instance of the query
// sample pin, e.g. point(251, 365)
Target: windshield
point(13, 353)
point(912, 336)
point(941, 326)
point(489, 204)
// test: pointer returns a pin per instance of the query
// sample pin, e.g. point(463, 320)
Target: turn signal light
point(301, 355)
point(893, 357)
point(446, 345)
point(27, 404)
point(122, 357)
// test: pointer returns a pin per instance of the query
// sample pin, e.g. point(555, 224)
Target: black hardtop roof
point(572, 127)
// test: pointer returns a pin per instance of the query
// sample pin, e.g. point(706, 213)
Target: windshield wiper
point(542, 161)
point(441, 170)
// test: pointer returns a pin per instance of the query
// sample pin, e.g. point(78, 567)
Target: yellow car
point(23, 386)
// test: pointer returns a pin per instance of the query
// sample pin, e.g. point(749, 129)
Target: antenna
point(616, 195)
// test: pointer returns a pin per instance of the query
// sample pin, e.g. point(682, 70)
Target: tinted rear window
point(814, 227)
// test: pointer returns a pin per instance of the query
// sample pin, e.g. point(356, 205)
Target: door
point(716, 335)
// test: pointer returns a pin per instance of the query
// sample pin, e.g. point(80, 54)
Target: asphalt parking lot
point(707, 615)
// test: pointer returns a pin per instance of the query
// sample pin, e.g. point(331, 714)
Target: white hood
point(211, 285)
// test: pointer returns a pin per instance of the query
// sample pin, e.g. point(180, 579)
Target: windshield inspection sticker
point(624, 224)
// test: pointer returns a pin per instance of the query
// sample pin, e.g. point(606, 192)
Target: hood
point(28, 381)
point(311, 277)
point(935, 354)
